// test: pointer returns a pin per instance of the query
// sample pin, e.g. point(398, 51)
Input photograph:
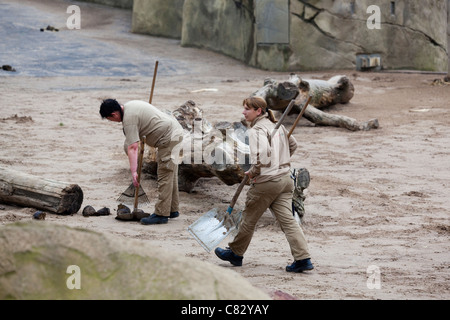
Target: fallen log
point(27, 190)
point(208, 151)
point(225, 143)
point(338, 89)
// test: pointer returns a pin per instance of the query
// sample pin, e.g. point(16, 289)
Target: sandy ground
point(377, 198)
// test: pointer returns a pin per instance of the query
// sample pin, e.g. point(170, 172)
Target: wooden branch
point(326, 119)
point(338, 89)
point(204, 138)
point(224, 140)
point(30, 191)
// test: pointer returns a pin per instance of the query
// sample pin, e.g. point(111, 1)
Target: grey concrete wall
point(448, 37)
point(328, 35)
point(321, 34)
point(225, 26)
point(158, 17)
point(288, 35)
point(125, 4)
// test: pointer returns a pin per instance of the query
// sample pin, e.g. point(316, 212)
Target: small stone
point(89, 211)
point(103, 212)
point(7, 67)
point(138, 214)
point(39, 215)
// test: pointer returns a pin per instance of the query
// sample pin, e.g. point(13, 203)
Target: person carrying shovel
point(141, 119)
point(271, 187)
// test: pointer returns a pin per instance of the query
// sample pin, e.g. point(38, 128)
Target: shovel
point(214, 226)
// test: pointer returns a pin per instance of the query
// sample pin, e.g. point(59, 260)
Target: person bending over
point(141, 119)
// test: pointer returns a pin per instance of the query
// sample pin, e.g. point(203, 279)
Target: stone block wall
point(158, 17)
point(125, 4)
point(291, 35)
point(411, 35)
point(220, 25)
point(323, 34)
point(448, 36)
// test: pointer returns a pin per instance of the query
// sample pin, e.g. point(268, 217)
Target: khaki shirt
point(270, 157)
point(143, 119)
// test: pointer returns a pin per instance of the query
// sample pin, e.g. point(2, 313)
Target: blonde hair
point(256, 103)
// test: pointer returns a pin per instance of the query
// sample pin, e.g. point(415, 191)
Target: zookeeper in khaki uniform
point(141, 119)
point(271, 187)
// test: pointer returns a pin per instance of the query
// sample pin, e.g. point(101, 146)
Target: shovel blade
point(214, 226)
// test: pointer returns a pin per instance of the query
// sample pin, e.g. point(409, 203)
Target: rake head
point(127, 196)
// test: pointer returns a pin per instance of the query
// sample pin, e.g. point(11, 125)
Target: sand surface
point(377, 199)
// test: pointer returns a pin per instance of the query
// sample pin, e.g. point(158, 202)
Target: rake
point(135, 195)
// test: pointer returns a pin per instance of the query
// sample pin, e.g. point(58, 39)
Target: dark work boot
point(228, 255)
point(300, 266)
point(155, 219)
point(174, 214)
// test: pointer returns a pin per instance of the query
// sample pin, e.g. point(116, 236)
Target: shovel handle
point(285, 113)
point(299, 116)
point(237, 193)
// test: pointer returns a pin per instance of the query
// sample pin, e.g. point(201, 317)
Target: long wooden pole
point(153, 83)
point(300, 115)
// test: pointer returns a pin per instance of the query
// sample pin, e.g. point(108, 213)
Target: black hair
point(109, 106)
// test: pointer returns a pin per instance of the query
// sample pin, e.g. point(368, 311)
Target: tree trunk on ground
point(338, 89)
point(207, 151)
point(30, 191)
point(222, 150)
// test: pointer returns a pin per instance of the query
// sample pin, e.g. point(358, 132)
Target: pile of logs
point(221, 150)
point(207, 150)
point(337, 90)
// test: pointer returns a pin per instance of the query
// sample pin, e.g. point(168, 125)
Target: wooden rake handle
point(153, 82)
point(142, 144)
point(139, 170)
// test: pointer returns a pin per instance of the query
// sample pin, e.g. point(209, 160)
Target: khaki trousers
point(277, 195)
point(168, 197)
